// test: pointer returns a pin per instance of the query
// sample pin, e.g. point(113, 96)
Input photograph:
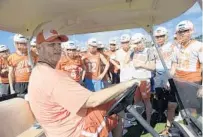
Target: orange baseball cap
point(50, 36)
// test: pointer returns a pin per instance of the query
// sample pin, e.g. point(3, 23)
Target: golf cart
point(29, 17)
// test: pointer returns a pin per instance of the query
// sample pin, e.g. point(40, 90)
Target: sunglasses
point(161, 36)
point(71, 50)
point(183, 31)
point(137, 43)
point(124, 42)
point(4, 51)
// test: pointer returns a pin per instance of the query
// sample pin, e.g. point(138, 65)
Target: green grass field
point(137, 131)
point(159, 127)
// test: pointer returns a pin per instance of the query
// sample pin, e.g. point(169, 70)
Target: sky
point(194, 14)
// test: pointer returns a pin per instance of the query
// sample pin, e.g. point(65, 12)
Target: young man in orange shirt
point(72, 63)
point(93, 60)
point(19, 67)
point(4, 83)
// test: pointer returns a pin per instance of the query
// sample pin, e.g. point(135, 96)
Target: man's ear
point(191, 31)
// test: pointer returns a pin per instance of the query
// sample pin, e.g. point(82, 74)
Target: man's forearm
point(10, 78)
point(114, 63)
point(149, 66)
point(173, 69)
point(105, 69)
point(108, 94)
point(83, 74)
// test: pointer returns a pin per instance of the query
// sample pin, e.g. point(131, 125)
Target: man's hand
point(82, 83)
point(4, 71)
point(167, 86)
point(100, 77)
point(138, 64)
point(200, 92)
point(12, 91)
point(133, 82)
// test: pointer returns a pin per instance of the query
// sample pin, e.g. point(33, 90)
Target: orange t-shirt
point(56, 101)
point(4, 65)
point(72, 67)
point(93, 65)
point(22, 69)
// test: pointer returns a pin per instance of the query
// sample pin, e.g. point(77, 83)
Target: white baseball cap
point(69, 45)
point(33, 43)
point(3, 48)
point(160, 31)
point(137, 37)
point(125, 38)
point(20, 38)
point(184, 25)
point(112, 41)
point(100, 45)
point(92, 42)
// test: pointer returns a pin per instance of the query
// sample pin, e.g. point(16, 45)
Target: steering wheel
point(125, 99)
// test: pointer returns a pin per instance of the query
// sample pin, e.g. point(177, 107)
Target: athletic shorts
point(94, 85)
point(160, 80)
point(4, 89)
point(95, 123)
point(142, 91)
point(172, 98)
point(21, 87)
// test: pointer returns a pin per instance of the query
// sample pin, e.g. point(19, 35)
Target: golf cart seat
point(15, 116)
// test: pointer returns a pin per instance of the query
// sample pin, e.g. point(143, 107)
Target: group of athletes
point(95, 67)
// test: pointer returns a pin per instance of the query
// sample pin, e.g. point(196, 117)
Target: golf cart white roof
point(85, 16)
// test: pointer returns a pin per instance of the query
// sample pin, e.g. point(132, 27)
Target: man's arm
point(11, 78)
point(128, 58)
point(115, 63)
point(108, 94)
point(173, 68)
point(107, 65)
point(83, 71)
point(149, 65)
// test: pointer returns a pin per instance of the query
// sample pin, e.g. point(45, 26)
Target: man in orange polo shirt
point(62, 106)
point(19, 68)
point(4, 83)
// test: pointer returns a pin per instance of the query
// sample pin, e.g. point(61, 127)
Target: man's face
point(53, 52)
point(139, 46)
point(4, 54)
point(112, 47)
point(71, 53)
point(184, 36)
point(93, 49)
point(22, 47)
point(125, 46)
point(160, 40)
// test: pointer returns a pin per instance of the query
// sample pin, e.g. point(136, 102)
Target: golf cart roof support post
point(29, 46)
point(200, 3)
point(30, 61)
